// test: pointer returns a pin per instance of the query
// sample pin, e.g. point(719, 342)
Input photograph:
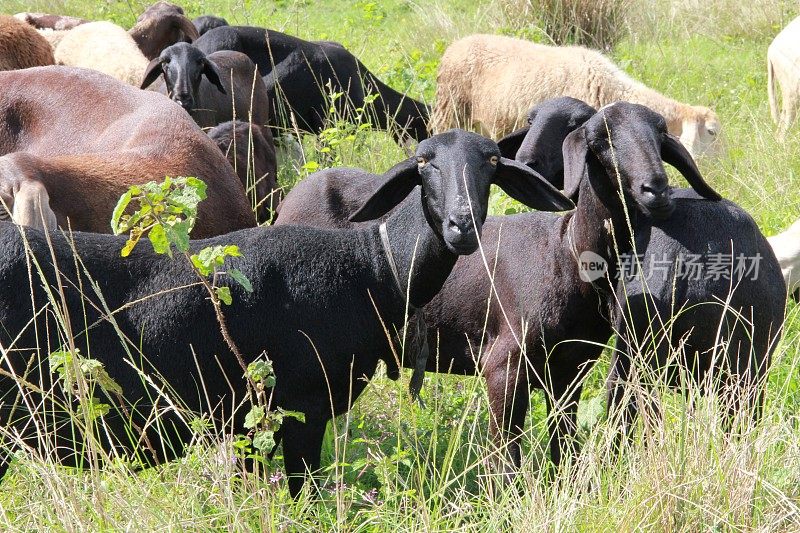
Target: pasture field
point(391, 465)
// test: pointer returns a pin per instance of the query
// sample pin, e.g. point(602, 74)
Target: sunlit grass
point(391, 465)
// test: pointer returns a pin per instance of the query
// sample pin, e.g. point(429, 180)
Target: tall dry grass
point(597, 24)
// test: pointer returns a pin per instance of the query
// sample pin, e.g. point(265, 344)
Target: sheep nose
point(184, 100)
point(657, 191)
point(460, 224)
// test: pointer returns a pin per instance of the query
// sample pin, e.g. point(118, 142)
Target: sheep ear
point(399, 181)
point(509, 145)
point(187, 28)
point(212, 73)
point(152, 72)
point(575, 151)
point(674, 153)
point(529, 187)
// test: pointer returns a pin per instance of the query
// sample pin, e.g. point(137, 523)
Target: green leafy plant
point(80, 376)
point(166, 212)
point(345, 127)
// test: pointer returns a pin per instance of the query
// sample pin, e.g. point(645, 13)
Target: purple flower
point(371, 496)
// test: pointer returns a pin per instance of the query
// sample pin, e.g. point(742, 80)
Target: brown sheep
point(73, 140)
point(46, 21)
point(250, 149)
point(488, 82)
point(160, 26)
point(21, 46)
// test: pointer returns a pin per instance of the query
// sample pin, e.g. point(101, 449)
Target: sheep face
point(629, 142)
point(183, 67)
point(456, 170)
point(700, 132)
point(549, 123)
point(161, 25)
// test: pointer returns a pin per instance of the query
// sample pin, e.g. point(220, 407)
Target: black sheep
point(212, 88)
point(552, 323)
point(208, 22)
point(251, 151)
point(658, 313)
point(296, 73)
point(319, 304)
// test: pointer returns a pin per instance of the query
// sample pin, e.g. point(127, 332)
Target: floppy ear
point(399, 181)
point(674, 153)
point(152, 72)
point(528, 187)
point(212, 74)
point(509, 145)
point(186, 27)
point(575, 151)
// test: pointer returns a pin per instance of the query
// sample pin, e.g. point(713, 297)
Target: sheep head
point(628, 143)
point(208, 22)
point(183, 67)
point(538, 145)
point(456, 170)
point(700, 129)
point(161, 25)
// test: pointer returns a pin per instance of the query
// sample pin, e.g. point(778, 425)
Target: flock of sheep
point(88, 109)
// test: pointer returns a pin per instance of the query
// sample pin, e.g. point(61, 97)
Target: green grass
point(391, 465)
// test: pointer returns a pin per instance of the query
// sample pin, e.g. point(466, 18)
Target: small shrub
point(595, 23)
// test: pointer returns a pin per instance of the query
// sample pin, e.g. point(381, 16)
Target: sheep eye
point(421, 161)
point(712, 132)
point(493, 160)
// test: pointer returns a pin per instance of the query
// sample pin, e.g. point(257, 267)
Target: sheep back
point(104, 47)
point(21, 46)
point(89, 143)
point(694, 302)
point(489, 82)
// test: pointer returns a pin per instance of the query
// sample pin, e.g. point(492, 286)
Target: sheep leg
point(302, 445)
point(789, 111)
point(32, 206)
point(744, 388)
point(508, 404)
point(562, 417)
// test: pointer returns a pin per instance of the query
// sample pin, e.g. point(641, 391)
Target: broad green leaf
point(264, 441)
point(224, 295)
point(158, 237)
point(122, 204)
point(93, 408)
point(241, 279)
point(178, 234)
point(232, 251)
point(254, 417)
point(260, 369)
point(297, 415)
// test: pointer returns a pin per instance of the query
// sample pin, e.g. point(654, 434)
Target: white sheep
point(783, 66)
point(489, 82)
point(786, 246)
point(53, 37)
point(105, 47)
